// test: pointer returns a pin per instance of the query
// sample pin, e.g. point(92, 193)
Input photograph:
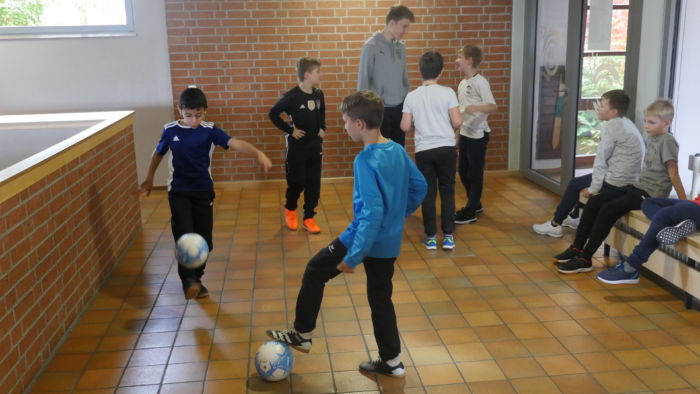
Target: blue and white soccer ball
point(274, 361)
point(191, 250)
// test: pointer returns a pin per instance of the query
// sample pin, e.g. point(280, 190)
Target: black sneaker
point(203, 291)
point(566, 255)
point(480, 210)
point(379, 366)
point(673, 234)
point(191, 288)
point(291, 338)
point(575, 265)
point(465, 217)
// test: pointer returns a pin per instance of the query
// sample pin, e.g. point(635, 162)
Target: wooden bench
point(677, 264)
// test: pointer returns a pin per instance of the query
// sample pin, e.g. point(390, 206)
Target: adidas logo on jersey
point(176, 139)
point(302, 107)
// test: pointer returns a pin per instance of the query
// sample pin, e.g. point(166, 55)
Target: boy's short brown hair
point(306, 65)
point(398, 12)
point(619, 100)
point(662, 108)
point(366, 106)
point(474, 52)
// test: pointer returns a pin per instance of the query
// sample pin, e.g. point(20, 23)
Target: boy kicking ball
point(387, 188)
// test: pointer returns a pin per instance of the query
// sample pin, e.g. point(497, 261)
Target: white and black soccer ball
point(191, 250)
point(274, 361)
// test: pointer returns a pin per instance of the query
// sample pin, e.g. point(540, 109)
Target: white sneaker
point(571, 222)
point(546, 228)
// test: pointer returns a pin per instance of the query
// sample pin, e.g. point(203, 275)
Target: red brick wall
point(242, 54)
point(58, 240)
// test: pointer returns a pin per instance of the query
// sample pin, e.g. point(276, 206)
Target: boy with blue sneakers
point(191, 142)
point(432, 111)
point(387, 188)
point(671, 221)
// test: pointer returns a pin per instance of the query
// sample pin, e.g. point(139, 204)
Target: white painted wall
point(650, 54)
point(515, 112)
point(686, 97)
point(96, 74)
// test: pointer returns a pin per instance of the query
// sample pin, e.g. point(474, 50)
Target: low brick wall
point(60, 238)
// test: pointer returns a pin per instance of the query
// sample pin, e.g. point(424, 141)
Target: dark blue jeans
point(663, 212)
point(571, 196)
point(438, 166)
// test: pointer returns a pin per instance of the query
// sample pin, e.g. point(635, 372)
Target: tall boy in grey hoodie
point(383, 69)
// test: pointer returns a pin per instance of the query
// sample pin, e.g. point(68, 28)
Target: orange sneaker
point(290, 218)
point(311, 226)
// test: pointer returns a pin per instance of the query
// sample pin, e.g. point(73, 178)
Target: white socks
point(394, 361)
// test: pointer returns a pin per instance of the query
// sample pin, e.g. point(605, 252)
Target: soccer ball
point(274, 361)
point(191, 250)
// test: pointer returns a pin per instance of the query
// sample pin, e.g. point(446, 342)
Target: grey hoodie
point(620, 153)
point(383, 69)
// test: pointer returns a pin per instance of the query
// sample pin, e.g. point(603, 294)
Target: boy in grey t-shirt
point(660, 172)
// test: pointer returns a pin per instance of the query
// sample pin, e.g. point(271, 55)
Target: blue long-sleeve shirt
point(387, 188)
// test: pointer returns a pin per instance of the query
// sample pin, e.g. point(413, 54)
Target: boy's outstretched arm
point(672, 168)
point(147, 184)
point(242, 146)
point(407, 122)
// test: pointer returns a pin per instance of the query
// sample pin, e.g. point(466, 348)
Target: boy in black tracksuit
point(305, 105)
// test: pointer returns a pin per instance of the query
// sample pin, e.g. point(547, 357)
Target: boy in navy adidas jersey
point(191, 142)
point(305, 105)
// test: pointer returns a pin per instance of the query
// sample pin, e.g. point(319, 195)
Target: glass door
point(552, 53)
point(602, 69)
point(574, 52)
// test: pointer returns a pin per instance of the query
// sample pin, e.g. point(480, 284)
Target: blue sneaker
point(618, 276)
point(430, 243)
point(673, 234)
point(448, 243)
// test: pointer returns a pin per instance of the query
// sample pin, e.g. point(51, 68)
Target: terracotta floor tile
point(506, 349)
point(313, 383)
point(535, 385)
point(182, 388)
point(544, 346)
point(189, 372)
point(451, 336)
point(348, 361)
point(475, 371)
point(578, 384)
point(521, 367)
point(439, 374)
point(229, 369)
point(100, 378)
point(675, 355)
point(227, 386)
point(142, 375)
point(430, 355)
point(107, 360)
point(599, 362)
point(691, 373)
point(620, 382)
point(469, 352)
point(56, 381)
point(661, 378)
point(421, 338)
point(560, 365)
point(152, 356)
point(351, 381)
point(480, 319)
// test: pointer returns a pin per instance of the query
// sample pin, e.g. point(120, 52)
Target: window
point(65, 17)
point(602, 69)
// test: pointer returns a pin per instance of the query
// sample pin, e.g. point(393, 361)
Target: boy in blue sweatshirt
point(388, 187)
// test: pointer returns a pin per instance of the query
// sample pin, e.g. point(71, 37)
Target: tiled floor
point(490, 316)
